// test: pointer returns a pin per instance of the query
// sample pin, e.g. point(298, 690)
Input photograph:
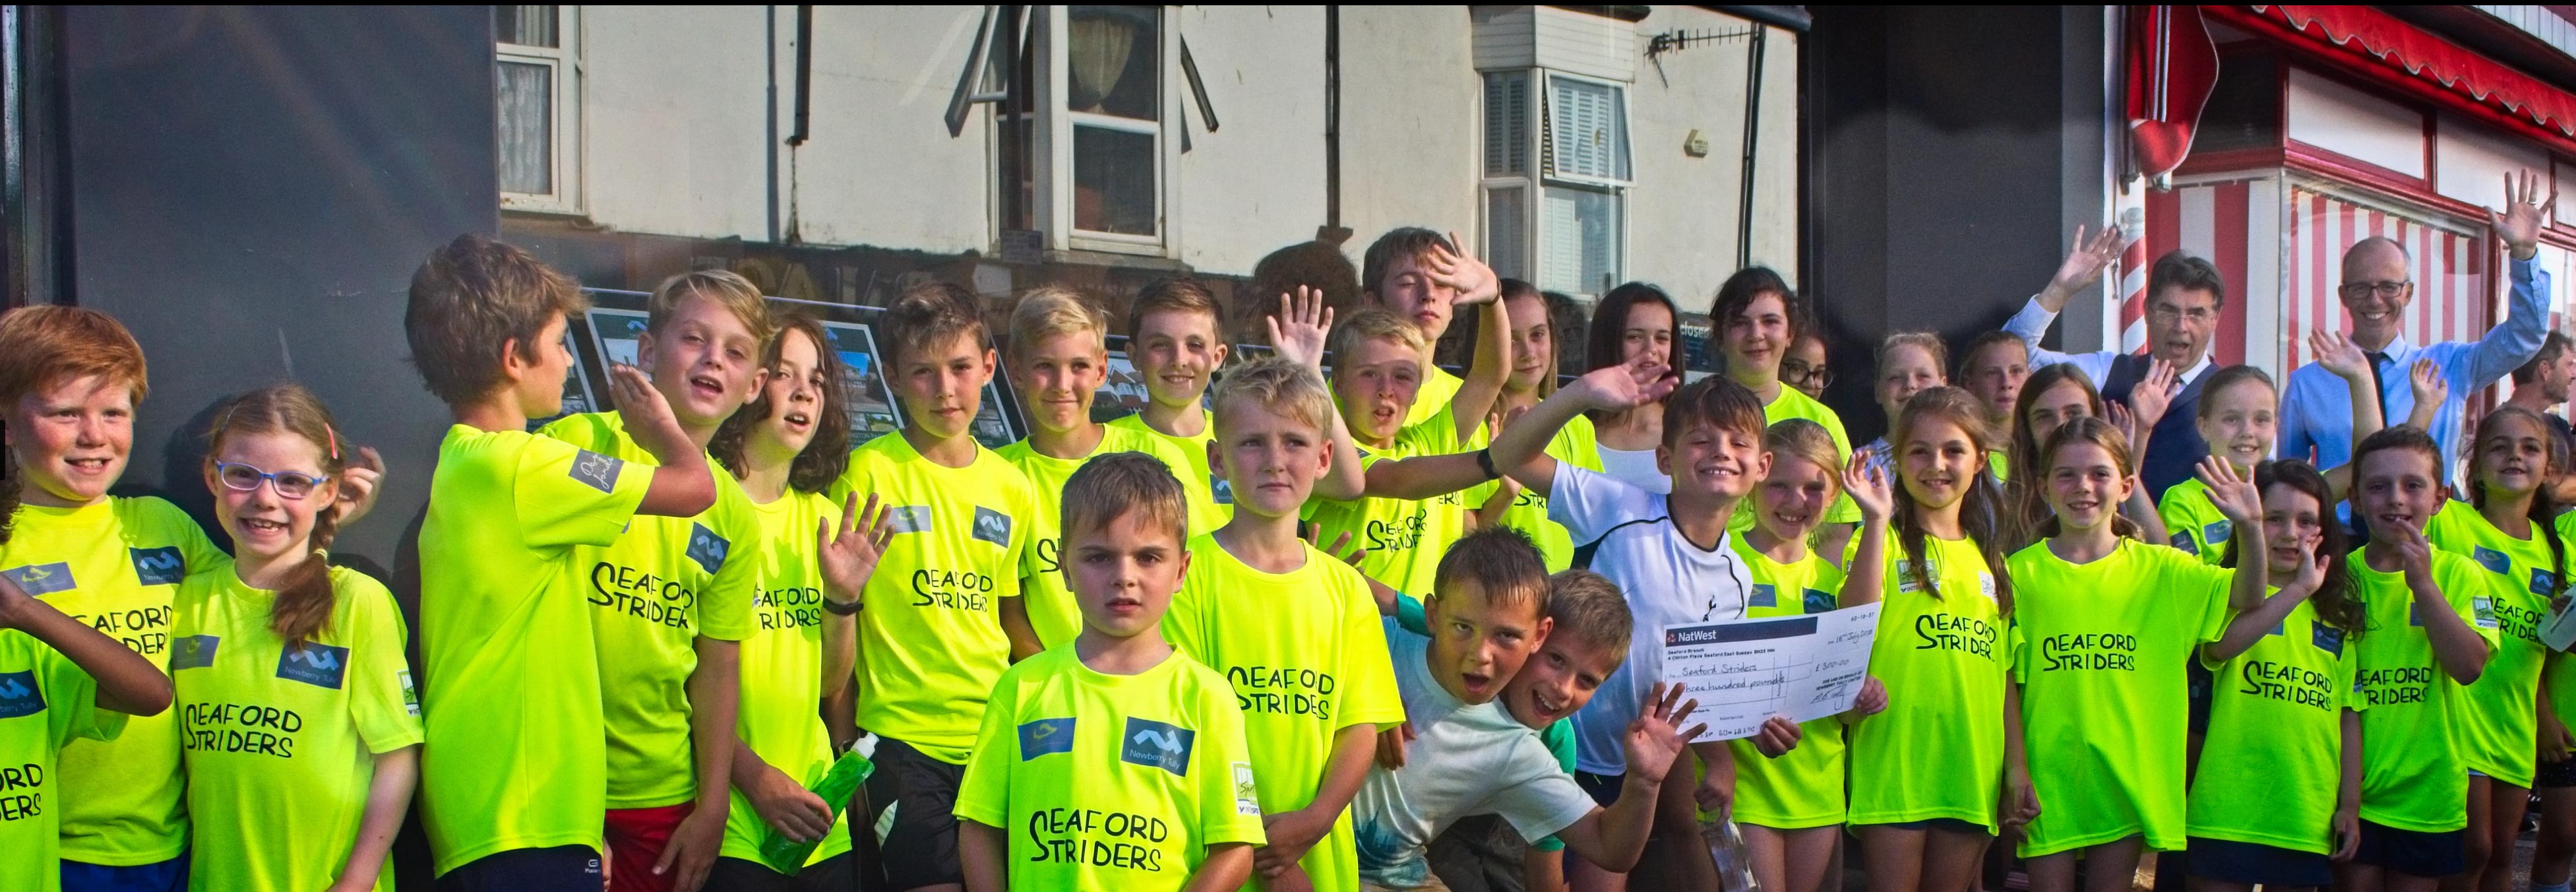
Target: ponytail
point(304, 603)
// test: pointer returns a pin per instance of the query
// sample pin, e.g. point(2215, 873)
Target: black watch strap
point(836, 608)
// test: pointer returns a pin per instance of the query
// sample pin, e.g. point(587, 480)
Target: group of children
point(1390, 629)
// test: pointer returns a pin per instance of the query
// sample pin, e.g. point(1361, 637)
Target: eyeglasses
point(289, 484)
point(2386, 290)
point(1797, 371)
point(2164, 313)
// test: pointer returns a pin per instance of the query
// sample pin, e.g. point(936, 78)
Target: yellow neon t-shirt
point(2559, 670)
point(281, 738)
point(1438, 390)
point(1110, 781)
point(1404, 537)
point(2274, 753)
point(115, 565)
point(2099, 651)
point(782, 666)
point(656, 589)
point(1938, 749)
point(2499, 733)
point(46, 702)
point(2195, 525)
point(1803, 787)
point(517, 748)
point(1208, 494)
point(1793, 404)
point(1305, 653)
point(2414, 775)
point(1052, 611)
point(1573, 443)
point(930, 636)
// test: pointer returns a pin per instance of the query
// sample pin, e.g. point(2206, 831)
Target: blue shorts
point(2412, 852)
point(1604, 788)
point(2227, 860)
point(166, 876)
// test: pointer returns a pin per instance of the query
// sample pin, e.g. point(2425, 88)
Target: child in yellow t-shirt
point(514, 769)
point(1293, 630)
point(1058, 357)
point(670, 603)
point(1176, 342)
point(1112, 761)
point(295, 704)
point(931, 634)
point(1377, 378)
point(812, 560)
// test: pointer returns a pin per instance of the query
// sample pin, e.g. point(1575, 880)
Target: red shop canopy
point(2365, 41)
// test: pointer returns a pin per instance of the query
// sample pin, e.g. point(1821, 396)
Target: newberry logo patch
point(159, 566)
point(992, 526)
point(707, 548)
point(1156, 745)
point(320, 665)
point(19, 696)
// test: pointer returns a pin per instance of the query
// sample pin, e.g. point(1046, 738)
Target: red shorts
point(636, 837)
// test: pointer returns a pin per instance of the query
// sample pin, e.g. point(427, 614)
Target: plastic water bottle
point(788, 856)
point(1726, 847)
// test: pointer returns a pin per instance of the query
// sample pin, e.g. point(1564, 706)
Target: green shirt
point(1208, 494)
point(516, 754)
point(2273, 759)
point(1305, 655)
point(1110, 781)
point(2499, 734)
point(1052, 611)
point(782, 666)
point(2413, 773)
point(278, 737)
point(2099, 651)
point(1804, 786)
point(115, 566)
point(1404, 537)
point(664, 583)
point(46, 702)
point(1938, 749)
point(2195, 525)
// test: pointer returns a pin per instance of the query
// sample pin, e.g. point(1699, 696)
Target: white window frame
point(1052, 140)
point(564, 60)
point(1537, 177)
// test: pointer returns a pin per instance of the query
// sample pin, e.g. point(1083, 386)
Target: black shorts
point(2227, 860)
point(557, 869)
point(2553, 775)
point(1603, 787)
point(828, 875)
point(920, 843)
point(2412, 852)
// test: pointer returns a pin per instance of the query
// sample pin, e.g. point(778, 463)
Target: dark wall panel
point(253, 188)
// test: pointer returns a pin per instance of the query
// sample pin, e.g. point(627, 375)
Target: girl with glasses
point(296, 708)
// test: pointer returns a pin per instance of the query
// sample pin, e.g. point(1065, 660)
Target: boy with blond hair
point(1293, 630)
point(931, 621)
point(70, 379)
point(671, 598)
point(1468, 756)
point(1116, 762)
point(514, 771)
point(1058, 357)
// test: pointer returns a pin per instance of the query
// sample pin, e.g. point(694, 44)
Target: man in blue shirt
point(2185, 294)
point(2316, 407)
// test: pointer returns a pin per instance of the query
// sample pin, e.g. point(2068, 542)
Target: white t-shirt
point(1464, 760)
point(1667, 580)
point(1636, 468)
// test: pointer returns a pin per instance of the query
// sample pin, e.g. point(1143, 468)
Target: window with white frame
point(1556, 179)
point(537, 76)
point(1083, 123)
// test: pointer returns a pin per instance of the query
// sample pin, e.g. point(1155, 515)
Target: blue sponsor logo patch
point(1045, 736)
point(992, 526)
point(707, 548)
point(159, 566)
point(2184, 541)
point(1156, 745)
point(320, 665)
point(193, 652)
point(2329, 639)
point(1820, 602)
point(42, 579)
point(1765, 595)
point(2544, 583)
point(600, 471)
point(2218, 533)
point(2492, 559)
point(19, 695)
